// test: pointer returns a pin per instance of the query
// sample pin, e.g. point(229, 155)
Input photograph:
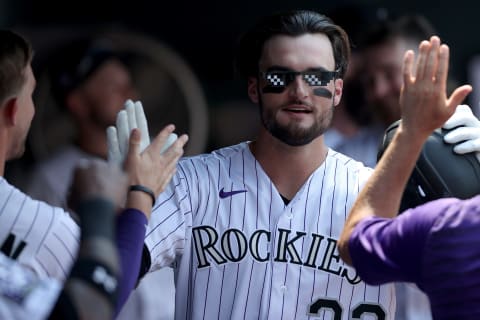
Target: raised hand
point(132, 117)
point(425, 105)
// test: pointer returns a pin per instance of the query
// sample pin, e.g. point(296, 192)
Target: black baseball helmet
point(439, 171)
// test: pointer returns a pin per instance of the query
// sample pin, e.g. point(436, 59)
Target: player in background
point(441, 237)
point(46, 238)
point(252, 228)
point(383, 46)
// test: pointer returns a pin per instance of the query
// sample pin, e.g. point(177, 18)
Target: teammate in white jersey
point(252, 229)
point(45, 239)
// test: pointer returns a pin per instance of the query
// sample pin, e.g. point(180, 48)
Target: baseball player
point(92, 285)
point(44, 238)
point(251, 229)
point(433, 245)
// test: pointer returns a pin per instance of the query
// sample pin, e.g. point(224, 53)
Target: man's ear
point(253, 89)
point(10, 111)
point(338, 90)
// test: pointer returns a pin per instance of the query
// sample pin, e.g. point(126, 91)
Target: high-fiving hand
point(132, 117)
point(150, 166)
point(423, 99)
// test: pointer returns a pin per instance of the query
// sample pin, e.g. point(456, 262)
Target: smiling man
point(251, 229)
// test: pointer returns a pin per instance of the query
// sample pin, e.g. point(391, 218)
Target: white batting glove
point(466, 132)
point(133, 116)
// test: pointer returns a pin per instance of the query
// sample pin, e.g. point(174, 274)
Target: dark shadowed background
point(203, 35)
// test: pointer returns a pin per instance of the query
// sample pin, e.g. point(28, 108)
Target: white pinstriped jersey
point(241, 253)
point(24, 295)
point(40, 236)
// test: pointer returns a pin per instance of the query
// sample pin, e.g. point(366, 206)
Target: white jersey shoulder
point(240, 251)
point(23, 294)
point(40, 236)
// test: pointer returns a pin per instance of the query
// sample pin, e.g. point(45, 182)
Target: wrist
point(97, 216)
point(141, 198)
point(143, 189)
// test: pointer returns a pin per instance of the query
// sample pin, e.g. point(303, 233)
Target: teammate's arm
point(150, 167)
point(90, 291)
point(425, 107)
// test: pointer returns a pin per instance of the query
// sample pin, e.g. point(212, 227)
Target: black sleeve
point(146, 263)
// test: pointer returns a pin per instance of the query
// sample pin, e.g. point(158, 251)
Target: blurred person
point(383, 47)
point(351, 132)
point(252, 228)
point(433, 245)
point(43, 238)
point(90, 81)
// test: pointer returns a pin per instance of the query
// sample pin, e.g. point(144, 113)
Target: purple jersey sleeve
point(386, 250)
point(131, 226)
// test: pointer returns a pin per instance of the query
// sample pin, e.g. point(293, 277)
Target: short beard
point(291, 134)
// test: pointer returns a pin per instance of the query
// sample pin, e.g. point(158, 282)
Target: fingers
point(421, 60)
point(467, 147)
point(160, 139)
point(432, 60)
point(170, 140)
point(175, 151)
point(463, 116)
point(142, 125)
point(122, 131)
point(133, 146)
point(114, 155)
point(458, 96)
point(441, 74)
point(131, 119)
point(461, 134)
point(408, 66)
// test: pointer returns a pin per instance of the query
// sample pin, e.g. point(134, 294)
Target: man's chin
point(17, 155)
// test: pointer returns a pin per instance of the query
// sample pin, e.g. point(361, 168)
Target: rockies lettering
point(234, 245)
point(241, 252)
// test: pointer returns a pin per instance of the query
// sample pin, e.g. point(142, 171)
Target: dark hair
point(291, 23)
point(73, 63)
point(414, 28)
point(15, 55)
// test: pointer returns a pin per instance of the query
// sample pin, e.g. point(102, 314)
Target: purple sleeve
point(386, 250)
point(131, 226)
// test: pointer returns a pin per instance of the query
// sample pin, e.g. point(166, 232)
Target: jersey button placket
point(289, 215)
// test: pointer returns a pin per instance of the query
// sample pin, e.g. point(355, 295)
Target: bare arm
point(425, 107)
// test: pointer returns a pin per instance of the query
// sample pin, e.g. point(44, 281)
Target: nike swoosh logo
point(226, 194)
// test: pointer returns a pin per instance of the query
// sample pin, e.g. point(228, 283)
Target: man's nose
point(298, 87)
point(379, 88)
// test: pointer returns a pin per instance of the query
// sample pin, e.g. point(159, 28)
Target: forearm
point(131, 228)
point(140, 201)
point(391, 173)
point(91, 289)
